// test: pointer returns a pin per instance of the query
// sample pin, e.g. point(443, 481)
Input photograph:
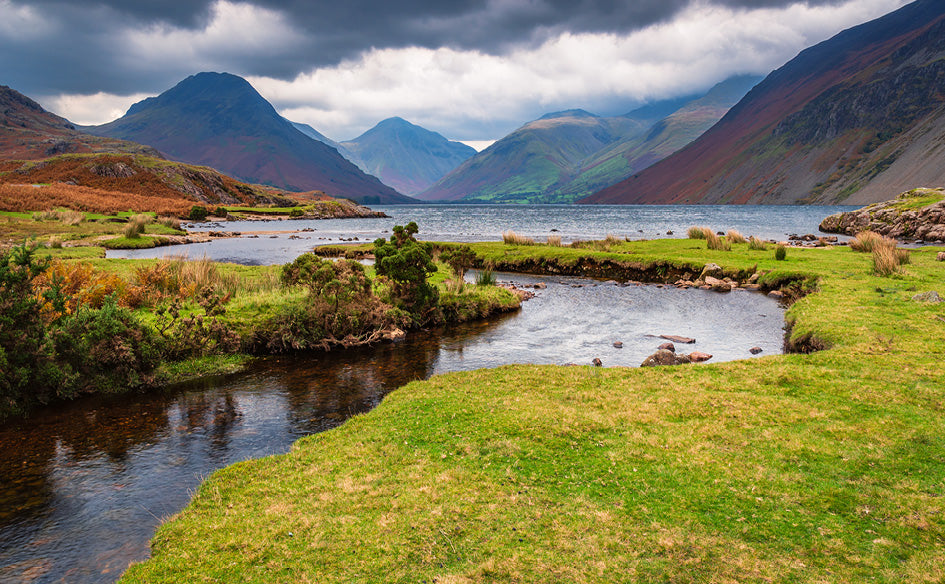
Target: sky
point(473, 70)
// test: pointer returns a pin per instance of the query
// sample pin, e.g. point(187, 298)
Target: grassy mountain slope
point(848, 120)
point(219, 120)
point(532, 161)
point(405, 156)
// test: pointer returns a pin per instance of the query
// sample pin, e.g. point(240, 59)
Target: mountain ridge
point(220, 120)
point(758, 152)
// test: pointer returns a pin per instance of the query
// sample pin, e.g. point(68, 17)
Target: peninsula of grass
point(826, 467)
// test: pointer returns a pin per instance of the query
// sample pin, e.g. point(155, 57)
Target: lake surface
point(83, 486)
point(470, 223)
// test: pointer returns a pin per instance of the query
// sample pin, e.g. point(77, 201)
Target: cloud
point(470, 69)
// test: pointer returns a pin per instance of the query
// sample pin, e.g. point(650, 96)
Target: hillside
point(29, 132)
point(534, 160)
point(568, 155)
point(405, 156)
point(101, 182)
point(219, 120)
point(850, 120)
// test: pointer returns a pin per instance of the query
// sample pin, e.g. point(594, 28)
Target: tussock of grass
point(865, 241)
point(511, 238)
point(756, 244)
point(554, 240)
point(698, 232)
point(714, 242)
point(734, 236)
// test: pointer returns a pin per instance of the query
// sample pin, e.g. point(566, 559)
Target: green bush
point(460, 259)
point(296, 212)
point(780, 253)
point(406, 264)
point(198, 213)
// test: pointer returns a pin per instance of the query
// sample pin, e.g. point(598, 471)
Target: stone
point(664, 357)
point(755, 350)
point(699, 357)
point(618, 345)
point(667, 347)
point(394, 335)
point(930, 296)
point(596, 362)
point(711, 270)
point(718, 285)
point(941, 256)
point(754, 278)
point(776, 294)
point(678, 339)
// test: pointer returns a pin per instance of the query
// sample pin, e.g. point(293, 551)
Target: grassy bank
point(827, 467)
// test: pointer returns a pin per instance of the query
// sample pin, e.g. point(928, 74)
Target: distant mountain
point(534, 160)
point(405, 156)
point(316, 135)
point(853, 120)
point(564, 156)
point(29, 132)
point(219, 120)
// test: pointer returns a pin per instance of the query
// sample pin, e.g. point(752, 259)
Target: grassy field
point(828, 467)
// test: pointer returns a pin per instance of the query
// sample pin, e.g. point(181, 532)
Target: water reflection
point(84, 485)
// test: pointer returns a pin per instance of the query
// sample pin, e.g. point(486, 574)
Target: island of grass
point(822, 467)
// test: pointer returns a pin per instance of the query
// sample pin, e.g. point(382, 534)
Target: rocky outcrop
point(918, 214)
point(667, 357)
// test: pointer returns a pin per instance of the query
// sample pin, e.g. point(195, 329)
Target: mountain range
point(567, 155)
point(854, 119)
point(219, 120)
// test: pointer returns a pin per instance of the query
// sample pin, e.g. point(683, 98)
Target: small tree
point(460, 259)
point(407, 263)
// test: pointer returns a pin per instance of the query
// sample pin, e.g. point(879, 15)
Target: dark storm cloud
point(82, 51)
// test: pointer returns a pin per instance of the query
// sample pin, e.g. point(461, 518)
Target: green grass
point(917, 199)
point(141, 242)
point(827, 467)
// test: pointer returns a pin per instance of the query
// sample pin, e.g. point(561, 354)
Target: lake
point(468, 223)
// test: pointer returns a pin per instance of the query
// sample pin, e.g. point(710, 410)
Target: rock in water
point(597, 362)
point(668, 347)
point(755, 350)
point(678, 339)
point(618, 345)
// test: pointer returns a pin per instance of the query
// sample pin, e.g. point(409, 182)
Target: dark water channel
point(83, 486)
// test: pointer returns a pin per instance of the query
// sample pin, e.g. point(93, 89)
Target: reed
point(511, 238)
point(865, 241)
point(697, 232)
point(734, 236)
point(717, 243)
point(756, 244)
point(554, 240)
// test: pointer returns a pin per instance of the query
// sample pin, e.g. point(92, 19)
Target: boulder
point(755, 350)
point(618, 345)
point(930, 296)
point(664, 357)
point(596, 362)
point(776, 294)
point(941, 256)
point(667, 347)
point(698, 357)
point(714, 270)
point(717, 285)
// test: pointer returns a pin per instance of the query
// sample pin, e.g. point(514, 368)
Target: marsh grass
point(734, 236)
point(554, 240)
point(865, 241)
point(485, 277)
point(698, 232)
point(716, 243)
point(756, 244)
point(511, 238)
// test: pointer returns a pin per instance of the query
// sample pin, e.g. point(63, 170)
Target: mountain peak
point(571, 113)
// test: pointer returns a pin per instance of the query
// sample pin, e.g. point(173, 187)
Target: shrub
point(459, 259)
point(734, 236)
point(756, 244)
point(198, 213)
point(780, 253)
point(296, 212)
point(220, 212)
point(195, 334)
point(406, 264)
point(511, 238)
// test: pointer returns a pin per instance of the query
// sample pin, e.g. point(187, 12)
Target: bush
point(459, 259)
point(220, 212)
point(406, 264)
point(296, 212)
point(198, 213)
point(780, 253)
